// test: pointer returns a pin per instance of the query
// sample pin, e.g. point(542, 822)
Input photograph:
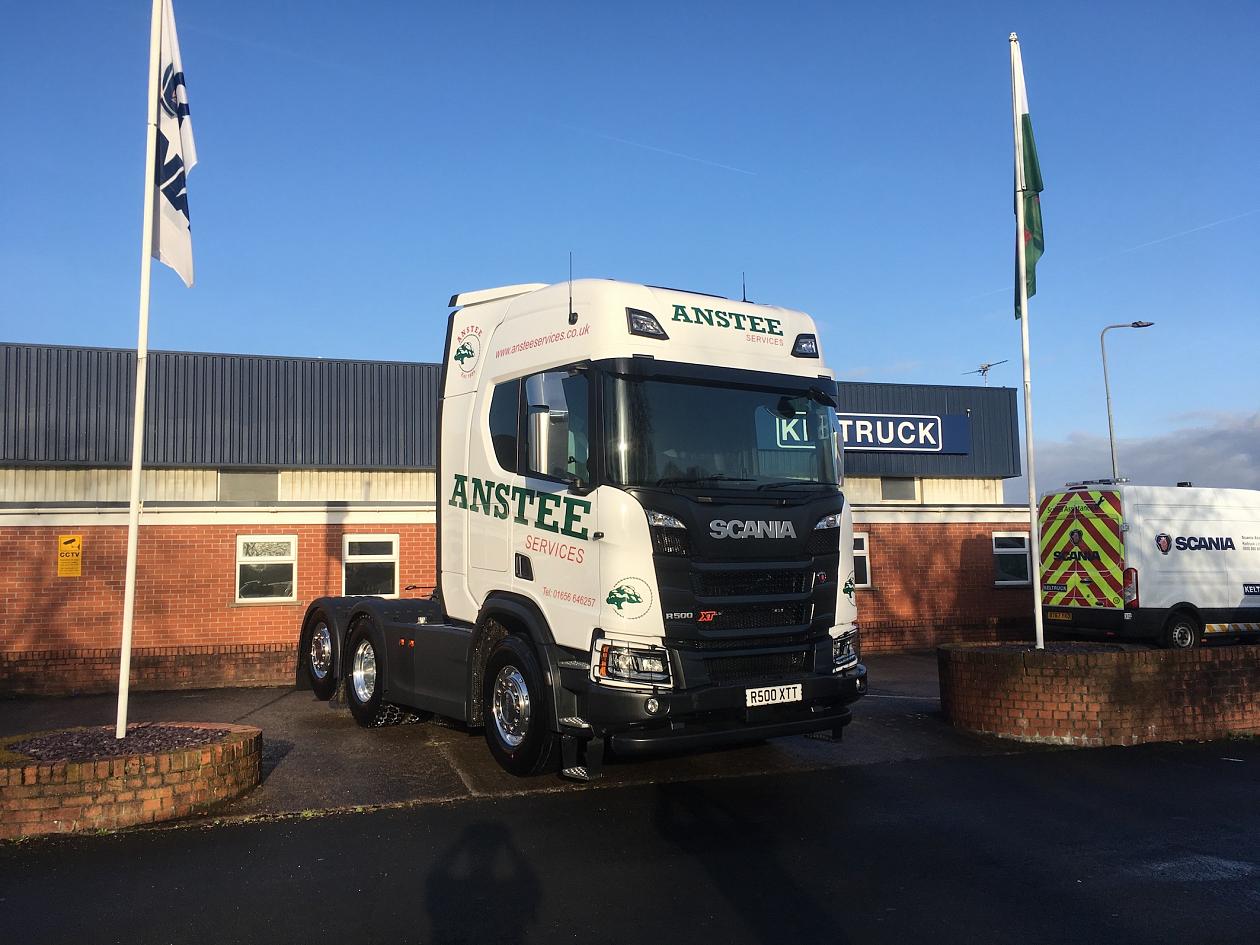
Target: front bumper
point(711, 716)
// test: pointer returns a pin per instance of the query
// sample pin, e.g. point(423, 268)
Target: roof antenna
point(984, 369)
point(743, 282)
point(572, 314)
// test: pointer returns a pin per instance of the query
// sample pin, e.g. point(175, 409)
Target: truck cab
point(643, 543)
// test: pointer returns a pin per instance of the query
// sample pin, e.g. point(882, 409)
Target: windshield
point(669, 432)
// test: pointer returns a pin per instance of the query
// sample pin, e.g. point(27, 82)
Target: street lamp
point(1111, 429)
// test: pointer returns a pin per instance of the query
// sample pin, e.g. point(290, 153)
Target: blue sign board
point(905, 433)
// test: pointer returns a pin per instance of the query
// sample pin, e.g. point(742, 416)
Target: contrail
point(1134, 249)
point(652, 147)
point(1195, 229)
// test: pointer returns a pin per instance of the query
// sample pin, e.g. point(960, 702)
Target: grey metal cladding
point(994, 429)
point(69, 406)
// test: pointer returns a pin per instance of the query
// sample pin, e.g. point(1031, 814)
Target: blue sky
point(361, 162)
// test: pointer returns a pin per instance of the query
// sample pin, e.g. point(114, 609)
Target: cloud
point(1223, 452)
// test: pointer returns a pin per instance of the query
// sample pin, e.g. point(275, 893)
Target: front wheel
point(1182, 632)
point(517, 709)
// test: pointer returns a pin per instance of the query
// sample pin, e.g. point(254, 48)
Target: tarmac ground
point(316, 758)
point(907, 831)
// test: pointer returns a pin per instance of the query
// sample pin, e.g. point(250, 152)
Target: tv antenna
point(984, 369)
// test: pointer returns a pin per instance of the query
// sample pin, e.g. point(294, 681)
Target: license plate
point(1059, 615)
point(772, 695)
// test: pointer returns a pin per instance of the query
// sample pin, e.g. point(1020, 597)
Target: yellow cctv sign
point(69, 555)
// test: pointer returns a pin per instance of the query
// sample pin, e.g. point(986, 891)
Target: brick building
point(270, 481)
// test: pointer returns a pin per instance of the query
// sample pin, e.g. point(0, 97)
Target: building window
point(266, 567)
point(237, 486)
point(897, 489)
point(504, 408)
point(370, 565)
point(1010, 558)
point(861, 560)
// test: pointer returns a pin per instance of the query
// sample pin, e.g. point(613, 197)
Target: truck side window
point(557, 426)
point(504, 406)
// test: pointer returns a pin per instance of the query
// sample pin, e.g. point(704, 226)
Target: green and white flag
point(1027, 181)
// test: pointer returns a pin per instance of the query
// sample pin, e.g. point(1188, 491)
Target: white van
point(1170, 563)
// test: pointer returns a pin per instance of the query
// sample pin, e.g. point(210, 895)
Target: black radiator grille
point(756, 616)
point(737, 583)
point(732, 669)
point(823, 541)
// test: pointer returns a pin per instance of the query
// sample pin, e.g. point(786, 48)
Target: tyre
point(319, 655)
point(365, 680)
point(517, 709)
point(1182, 632)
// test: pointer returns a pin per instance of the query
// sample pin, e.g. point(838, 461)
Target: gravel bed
point(94, 744)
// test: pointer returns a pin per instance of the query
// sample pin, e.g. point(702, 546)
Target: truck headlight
point(619, 662)
point(644, 323)
point(846, 650)
point(661, 520)
point(669, 534)
point(824, 539)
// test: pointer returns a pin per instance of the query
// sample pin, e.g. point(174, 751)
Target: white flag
point(176, 155)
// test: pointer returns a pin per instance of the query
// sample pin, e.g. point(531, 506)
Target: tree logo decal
point(630, 598)
point(849, 587)
point(467, 350)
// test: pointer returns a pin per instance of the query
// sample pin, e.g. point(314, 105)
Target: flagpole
point(142, 358)
point(1021, 277)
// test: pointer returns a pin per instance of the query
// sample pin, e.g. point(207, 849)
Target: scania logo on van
point(1201, 543)
point(1165, 543)
point(720, 528)
point(1075, 536)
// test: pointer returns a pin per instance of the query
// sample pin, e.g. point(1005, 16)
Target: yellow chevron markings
point(1079, 573)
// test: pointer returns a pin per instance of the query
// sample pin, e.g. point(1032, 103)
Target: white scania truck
point(1175, 564)
point(642, 539)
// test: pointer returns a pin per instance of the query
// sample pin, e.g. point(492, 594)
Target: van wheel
point(517, 709)
point(319, 656)
point(1182, 632)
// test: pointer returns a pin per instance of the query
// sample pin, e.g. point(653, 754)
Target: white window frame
point(346, 559)
point(291, 559)
point(864, 553)
point(1025, 551)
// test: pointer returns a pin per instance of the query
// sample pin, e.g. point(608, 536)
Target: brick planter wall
point(1075, 694)
point(66, 797)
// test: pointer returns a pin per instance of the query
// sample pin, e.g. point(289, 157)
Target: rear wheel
point(1182, 632)
point(320, 656)
point(517, 709)
point(365, 682)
